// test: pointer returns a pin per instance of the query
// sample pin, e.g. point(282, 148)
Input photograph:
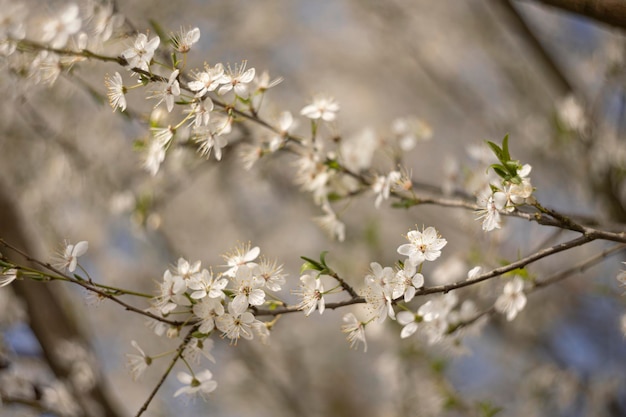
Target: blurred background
point(472, 71)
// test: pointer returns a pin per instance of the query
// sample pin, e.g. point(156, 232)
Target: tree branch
point(611, 12)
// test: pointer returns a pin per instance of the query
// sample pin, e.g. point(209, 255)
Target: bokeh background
point(473, 71)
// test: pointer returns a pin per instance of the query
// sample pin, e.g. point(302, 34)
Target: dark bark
point(611, 12)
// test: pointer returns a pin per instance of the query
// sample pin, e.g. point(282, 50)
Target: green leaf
point(500, 170)
point(505, 148)
point(199, 335)
point(496, 150)
point(310, 264)
point(323, 259)
point(158, 29)
point(512, 167)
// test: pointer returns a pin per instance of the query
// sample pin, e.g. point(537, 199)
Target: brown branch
point(611, 12)
point(88, 286)
point(179, 353)
point(579, 241)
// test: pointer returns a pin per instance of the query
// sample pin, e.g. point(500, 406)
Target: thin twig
point(179, 353)
point(88, 286)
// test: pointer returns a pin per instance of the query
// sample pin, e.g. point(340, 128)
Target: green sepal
point(405, 204)
point(199, 335)
point(333, 197)
point(332, 164)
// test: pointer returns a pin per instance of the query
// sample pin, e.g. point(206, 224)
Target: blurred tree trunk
point(49, 316)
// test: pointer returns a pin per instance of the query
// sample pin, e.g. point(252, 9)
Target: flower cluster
point(68, 28)
point(514, 189)
point(385, 285)
point(216, 303)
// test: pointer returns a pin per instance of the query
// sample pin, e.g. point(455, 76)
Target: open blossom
point(205, 284)
point(209, 137)
point(379, 275)
point(137, 363)
point(241, 255)
point(188, 272)
point(311, 294)
point(71, 253)
point(116, 91)
point(171, 293)
point(8, 277)
point(512, 300)
point(200, 384)
point(423, 246)
point(382, 186)
point(168, 92)
point(142, 51)
point(380, 299)
point(409, 321)
point(208, 310)
point(197, 348)
point(200, 111)
point(406, 281)
point(271, 274)
point(207, 80)
point(490, 207)
point(247, 290)
point(355, 330)
point(57, 30)
point(237, 79)
point(235, 325)
point(184, 39)
point(322, 107)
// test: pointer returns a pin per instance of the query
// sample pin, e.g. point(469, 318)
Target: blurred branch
point(612, 12)
point(516, 21)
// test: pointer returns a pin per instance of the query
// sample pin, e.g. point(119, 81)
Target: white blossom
point(200, 384)
point(241, 255)
point(184, 39)
point(57, 30)
point(237, 79)
point(235, 325)
point(323, 107)
point(70, 255)
point(311, 294)
point(8, 277)
point(142, 51)
point(355, 331)
point(116, 91)
point(137, 363)
point(168, 92)
point(423, 246)
point(512, 300)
